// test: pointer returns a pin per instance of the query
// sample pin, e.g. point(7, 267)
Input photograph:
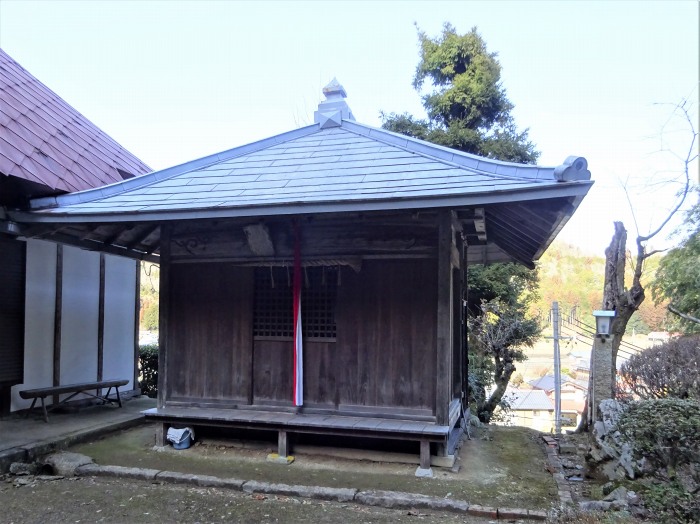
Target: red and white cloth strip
point(298, 347)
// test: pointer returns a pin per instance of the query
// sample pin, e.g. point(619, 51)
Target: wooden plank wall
point(210, 332)
point(386, 334)
point(383, 356)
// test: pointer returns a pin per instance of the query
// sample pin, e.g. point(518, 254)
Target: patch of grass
point(501, 467)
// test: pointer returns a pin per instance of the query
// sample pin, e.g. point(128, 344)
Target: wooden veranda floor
point(290, 423)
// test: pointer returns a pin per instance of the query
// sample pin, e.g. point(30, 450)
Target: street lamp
point(603, 323)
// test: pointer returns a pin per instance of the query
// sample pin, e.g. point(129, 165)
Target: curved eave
point(554, 190)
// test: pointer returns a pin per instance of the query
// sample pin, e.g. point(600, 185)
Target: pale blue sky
point(174, 81)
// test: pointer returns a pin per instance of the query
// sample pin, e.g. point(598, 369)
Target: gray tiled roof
point(45, 140)
point(509, 212)
point(534, 399)
point(351, 166)
point(547, 383)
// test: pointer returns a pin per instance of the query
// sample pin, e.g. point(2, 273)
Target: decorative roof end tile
point(574, 168)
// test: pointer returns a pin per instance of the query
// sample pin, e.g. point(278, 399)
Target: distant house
point(656, 338)
point(531, 408)
point(573, 396)
point(313, 282)
point(583, 369)
point(66, 314)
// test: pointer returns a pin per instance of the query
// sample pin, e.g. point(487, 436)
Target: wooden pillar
point(443, 368)
point(282, 444)
point(425, 454)
point(137, 325)
point(101, 321)
point(58, 313)
point(162, 433)
point(464, 386)
point(164, 308)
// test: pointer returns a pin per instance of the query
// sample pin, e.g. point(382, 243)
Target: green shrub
point(671, 502)
point(148, 367)
point(668, 370)
point(666, 432)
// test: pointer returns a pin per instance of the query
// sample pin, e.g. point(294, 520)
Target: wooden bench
point(76, 389)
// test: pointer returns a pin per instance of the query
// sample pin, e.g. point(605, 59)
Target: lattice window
point(273, 309)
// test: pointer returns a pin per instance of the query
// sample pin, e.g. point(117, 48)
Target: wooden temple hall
point(313, 282)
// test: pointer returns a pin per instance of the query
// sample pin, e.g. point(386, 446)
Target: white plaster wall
point(40, 299)
point(81, 291)
point(120, 300)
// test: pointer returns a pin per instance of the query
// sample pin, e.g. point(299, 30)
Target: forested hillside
point(150, 281)
point(575, 280)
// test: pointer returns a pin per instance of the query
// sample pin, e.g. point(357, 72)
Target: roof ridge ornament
point(334, 109)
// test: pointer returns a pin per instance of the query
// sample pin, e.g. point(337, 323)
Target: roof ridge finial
point(334, 90)
point(334, 109)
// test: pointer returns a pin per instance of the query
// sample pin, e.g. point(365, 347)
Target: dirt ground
point(499, 467)
point(90, 500)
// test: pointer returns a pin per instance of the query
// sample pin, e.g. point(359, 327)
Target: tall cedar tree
point(468, 110)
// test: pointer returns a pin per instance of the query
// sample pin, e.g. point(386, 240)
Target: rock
point(618, 505)
point(567, 464)
point(24, 481)
point(50, 478)
point(610, 457)
point(65, 463)
point(566, 448)
point(595, 505)
point(21, 468)
point(619, 493)
point(474, 421)
point(688, 475)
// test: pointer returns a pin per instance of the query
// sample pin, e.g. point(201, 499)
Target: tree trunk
point(624, 302)
point(502, 376)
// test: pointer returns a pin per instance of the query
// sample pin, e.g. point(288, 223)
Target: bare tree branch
point(689, 158)
point(655, 251)
point(683, 315)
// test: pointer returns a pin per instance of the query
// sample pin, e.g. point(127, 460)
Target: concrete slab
point(25, 439)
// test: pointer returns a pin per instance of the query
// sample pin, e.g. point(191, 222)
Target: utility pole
point(557, 369)
point(556, 337)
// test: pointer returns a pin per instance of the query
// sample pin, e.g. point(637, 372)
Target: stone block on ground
point(65, 463)
point(396, 499)
point(315, 492)
point(22, 468)
point(119, 472)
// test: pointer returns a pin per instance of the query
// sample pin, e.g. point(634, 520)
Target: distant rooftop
point(546, 383)
point(526, 400)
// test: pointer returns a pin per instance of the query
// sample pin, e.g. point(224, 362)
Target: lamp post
point(602, 362)
point(603, 323)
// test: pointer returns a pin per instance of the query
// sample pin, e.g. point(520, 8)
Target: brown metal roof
point(46, 141)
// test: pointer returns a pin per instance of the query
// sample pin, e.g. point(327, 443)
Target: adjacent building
point(67, 312)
